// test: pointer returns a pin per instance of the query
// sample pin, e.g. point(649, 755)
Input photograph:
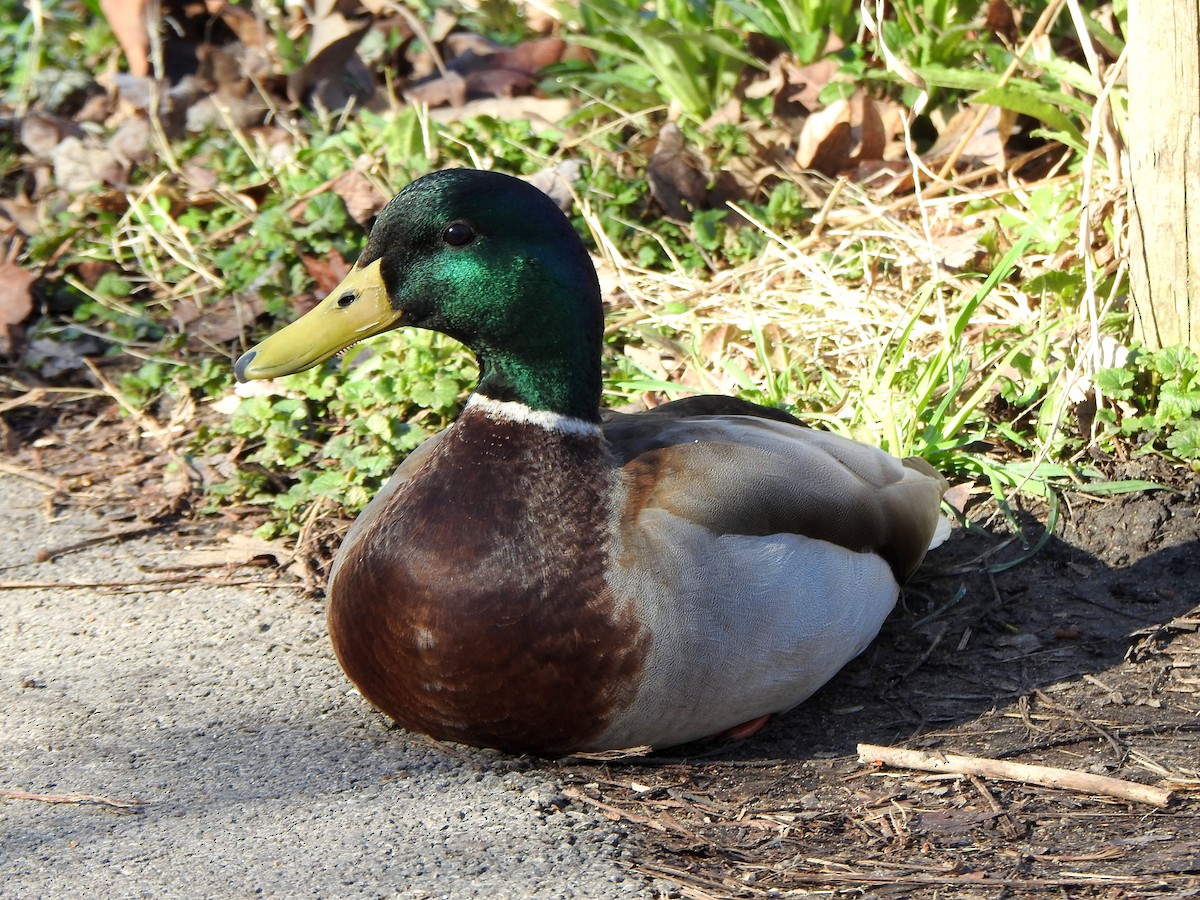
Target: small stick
point(8, 794)
point(1044, 776)
point(30, 397)
point(1006, 821)
point(188, 578)
point(47, 554)
point(822, 218)
point(29, 475)
point(1118, 750)
point(614, 813)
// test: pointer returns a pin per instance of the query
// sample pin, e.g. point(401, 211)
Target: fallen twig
point(691, 884)
point(1006, 821)
point(971, 879)
point(1118, 748)
point(48, 553)
point(8, 794)
point(29, 475)
point(150, 426)
point(613, 755)
point(189, 578)
point(614, 813)
point(1044, 776)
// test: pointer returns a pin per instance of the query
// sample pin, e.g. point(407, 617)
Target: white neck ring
point(511, 411)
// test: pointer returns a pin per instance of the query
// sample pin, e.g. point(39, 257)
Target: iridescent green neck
point(567, 383)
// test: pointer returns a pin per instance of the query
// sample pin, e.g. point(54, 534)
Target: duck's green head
point(484, 258)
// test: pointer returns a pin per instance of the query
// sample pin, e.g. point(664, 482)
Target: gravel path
point(250, 768)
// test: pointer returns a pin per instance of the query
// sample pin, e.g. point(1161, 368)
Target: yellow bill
point(356, 309)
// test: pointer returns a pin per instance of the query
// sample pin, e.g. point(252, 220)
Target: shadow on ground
point(1084, 656)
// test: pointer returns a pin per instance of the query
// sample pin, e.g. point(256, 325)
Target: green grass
point(822, 297)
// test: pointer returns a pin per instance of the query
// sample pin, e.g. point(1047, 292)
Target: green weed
point(946, 377)
point(687, 53)
point(803, 26)
point(1154, 400)
point(338, 432)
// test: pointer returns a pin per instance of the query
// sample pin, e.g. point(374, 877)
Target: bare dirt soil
point(1082, 652)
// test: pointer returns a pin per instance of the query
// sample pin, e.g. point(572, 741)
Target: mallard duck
point(546, 577)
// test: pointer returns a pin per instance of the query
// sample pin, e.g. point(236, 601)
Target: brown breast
point(475, 607)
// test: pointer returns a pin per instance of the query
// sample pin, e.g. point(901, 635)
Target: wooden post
point(1164, 157)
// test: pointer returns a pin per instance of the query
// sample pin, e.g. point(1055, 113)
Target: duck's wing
point(759, 555)
point(752, 473)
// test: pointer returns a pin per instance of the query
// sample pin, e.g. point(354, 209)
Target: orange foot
point(745, 730)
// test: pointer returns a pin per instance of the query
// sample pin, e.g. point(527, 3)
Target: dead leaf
point(237, 550)
point(209, 39)
point(515, 70)
point(465, 47)
point(796, 89)
point(16, 303)
point(226, 320)
point(540, 19)
point(498, 82)
point(768, 83)
point(984, 145)
point(737, 183)
point(362, 198)
point(82, 164)
point(478, 68)
point(826, 140)
point(883, 177)
point(96, 108)
point(90, 271)
point(959, 494)
point(327, 273)
point(729, 113)
point(677, 178)
point(127, 19)
point(245, 25)
point(228, 66)
point(132, 141)
point(444, 22)
point(225, 108)
point(22, 213)
point(437, 90)
point(648, 360)
point(333, 74)
point(715, 342)
point(41, 133)
point(775, 342)
point(134, 90)
point(807, 82)
point(843, 136)
point(867, 126)
point(201, 177)
point(1001, 21)
point(52, 358)
point(556, 182)
point(961, 249)
point(537, 111)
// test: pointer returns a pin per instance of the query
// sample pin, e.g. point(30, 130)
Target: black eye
point(346, 299)
point(458, 234)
